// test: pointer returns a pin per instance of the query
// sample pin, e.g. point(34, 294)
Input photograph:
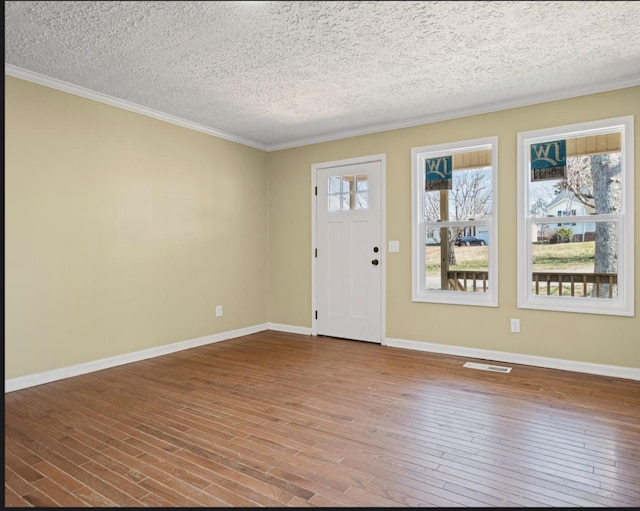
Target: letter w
point(434, 167)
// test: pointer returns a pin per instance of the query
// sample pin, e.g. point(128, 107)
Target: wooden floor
point(278, 420)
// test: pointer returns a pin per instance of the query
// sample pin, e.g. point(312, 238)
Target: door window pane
point(348, 192)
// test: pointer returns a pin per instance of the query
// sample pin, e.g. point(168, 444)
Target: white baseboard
point(97, 365)
point(497, 356)
point(630, 373)
point(290, 329)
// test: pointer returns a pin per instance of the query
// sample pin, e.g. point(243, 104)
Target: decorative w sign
point(549, 160)
point(437, 175)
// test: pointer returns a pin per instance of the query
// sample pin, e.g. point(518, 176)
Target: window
point(348, 192)
point(584, 171)
point(454, 222)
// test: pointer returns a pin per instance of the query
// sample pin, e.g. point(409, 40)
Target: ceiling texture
point(274, 75)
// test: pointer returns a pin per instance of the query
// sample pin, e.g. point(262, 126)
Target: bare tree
point(579, 180)
point(606, 171)
point(595, 181)
point(471, 196)
point(469, 199)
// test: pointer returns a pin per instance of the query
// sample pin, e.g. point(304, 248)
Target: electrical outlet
point(218, 311)
point(515, 326)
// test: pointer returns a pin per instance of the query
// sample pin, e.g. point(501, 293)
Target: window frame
point(623, 305)
point(419, 293)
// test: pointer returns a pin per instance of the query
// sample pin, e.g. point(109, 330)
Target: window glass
point(348, 192)
point(575, 240)
point(455, 223)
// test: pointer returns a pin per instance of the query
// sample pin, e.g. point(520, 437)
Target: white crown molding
point(629, 373)
point(630, 81)
point(60, 85)
point(24, 74)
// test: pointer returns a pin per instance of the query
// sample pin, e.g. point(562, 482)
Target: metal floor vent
point(486, 367)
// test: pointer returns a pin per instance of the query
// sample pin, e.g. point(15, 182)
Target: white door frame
point(382, 158)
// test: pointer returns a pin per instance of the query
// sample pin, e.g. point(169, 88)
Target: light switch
point(394, 246)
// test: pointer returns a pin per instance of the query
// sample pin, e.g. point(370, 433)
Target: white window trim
point(623, 305)
point(419, 293)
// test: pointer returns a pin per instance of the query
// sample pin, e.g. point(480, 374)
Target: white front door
point(349, 259)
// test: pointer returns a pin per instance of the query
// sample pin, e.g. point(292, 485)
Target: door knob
point(375, 262)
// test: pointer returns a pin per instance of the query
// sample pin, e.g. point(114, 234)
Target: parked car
point(466, 241)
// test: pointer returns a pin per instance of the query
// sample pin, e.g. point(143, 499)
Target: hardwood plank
point(276, 419)
point(58, 476)
point(243, 485)
point(21, 468)
point(16, 484)
point(12, 499)
point(59, 495)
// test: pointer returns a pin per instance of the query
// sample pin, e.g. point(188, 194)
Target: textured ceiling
point(280, 74)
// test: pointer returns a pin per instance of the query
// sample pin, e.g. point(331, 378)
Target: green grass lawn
point(557, 257)
point(564, 256)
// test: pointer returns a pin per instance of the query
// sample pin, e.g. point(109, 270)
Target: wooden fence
point(566, 284)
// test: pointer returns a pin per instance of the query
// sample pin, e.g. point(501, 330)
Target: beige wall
point(586, 338)
point(122, 232)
